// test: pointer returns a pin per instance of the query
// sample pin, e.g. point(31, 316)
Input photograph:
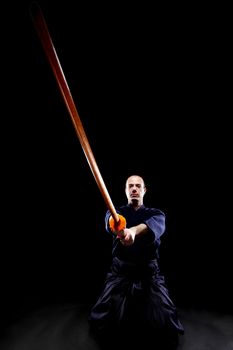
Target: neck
point(135, 204)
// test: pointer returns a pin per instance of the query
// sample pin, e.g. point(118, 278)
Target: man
point(135, 301)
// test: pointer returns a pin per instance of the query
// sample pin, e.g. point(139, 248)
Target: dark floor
point(64, 327)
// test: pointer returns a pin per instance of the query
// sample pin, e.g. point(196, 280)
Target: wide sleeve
point(155, 221)
point(107, 216)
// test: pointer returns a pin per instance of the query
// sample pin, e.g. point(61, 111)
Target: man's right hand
point(117, 227)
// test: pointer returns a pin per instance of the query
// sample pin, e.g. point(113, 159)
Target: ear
point(145, 189)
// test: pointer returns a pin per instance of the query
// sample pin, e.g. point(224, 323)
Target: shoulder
point(154, 211)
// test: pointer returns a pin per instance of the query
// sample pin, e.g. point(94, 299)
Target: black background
point(151, 88)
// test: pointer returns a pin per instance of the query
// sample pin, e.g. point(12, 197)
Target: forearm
point(140, 229)
point(129, 234)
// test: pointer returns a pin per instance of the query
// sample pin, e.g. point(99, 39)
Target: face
point(135, 190)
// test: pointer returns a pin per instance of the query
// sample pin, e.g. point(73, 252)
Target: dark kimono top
point(145, 247)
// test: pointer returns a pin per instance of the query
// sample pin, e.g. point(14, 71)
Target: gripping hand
point(117, 227)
